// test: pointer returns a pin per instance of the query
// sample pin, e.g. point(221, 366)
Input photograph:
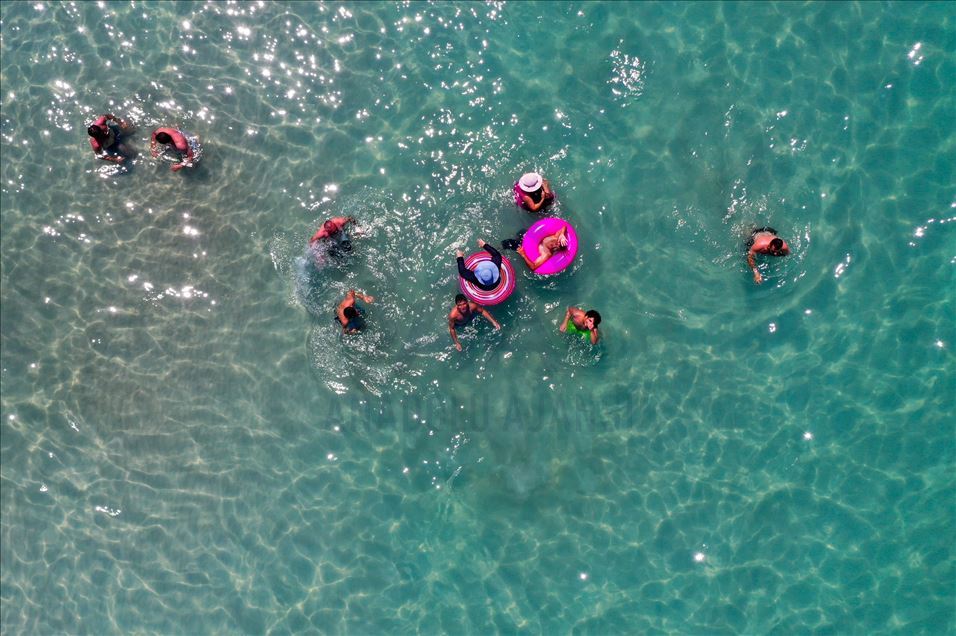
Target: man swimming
point(463, 313)
point(578, 321)
point(546, 248)
point(764, 240)
point(332, 227)
point(106, 139)
point(175, 139)
point(351, 315)
point(334, 230)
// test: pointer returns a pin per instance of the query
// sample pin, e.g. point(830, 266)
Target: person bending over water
point(546, 248)
point(350, 314)
point(107, 139)
point(580, 322)
point(463, 313)
point(333, 229)
point(175, 139)
point(487, 274)
point(764, 240)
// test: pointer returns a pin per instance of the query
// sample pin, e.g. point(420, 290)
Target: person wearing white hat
point(533, 192)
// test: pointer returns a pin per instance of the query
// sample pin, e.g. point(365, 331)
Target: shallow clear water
point(188, 445)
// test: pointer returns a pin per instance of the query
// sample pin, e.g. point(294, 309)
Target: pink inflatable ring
point(506, 284)
point(560, 259)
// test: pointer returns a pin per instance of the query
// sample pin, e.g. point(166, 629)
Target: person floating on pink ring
point(548, 246)
point(532, 192)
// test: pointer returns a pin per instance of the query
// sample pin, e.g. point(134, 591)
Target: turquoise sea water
point(190, 447)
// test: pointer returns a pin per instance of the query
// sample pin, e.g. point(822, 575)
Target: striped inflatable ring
point(505, 286)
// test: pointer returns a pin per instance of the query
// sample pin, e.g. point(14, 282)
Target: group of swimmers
point(532, 192)
point(108, 135)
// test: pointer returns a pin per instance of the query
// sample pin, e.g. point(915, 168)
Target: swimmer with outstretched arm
point(332, 227)
point(463, 313)
point(546, 248)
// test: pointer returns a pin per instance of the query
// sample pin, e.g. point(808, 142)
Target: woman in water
point(532, 192)
point(487, 274)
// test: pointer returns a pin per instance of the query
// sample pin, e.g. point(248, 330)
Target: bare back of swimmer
point(764, 240)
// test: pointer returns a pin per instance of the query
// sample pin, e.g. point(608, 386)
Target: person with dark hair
point(764, 240)
point(580, 322)
point(333, 233)
point(176, 140)
point(350, 314)
point(487, 274)
point(533, 192)
point(463, 313)
point(106, 138)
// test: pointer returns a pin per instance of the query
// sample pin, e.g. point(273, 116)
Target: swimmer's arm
point(105, 156)
point(527, 260)
point(594, 336)
point(340, 311)
point(541, 259)
point(451, 330)
point(187, 160)
point(189, 153)
point(564, 324)
point(341, 221)
point(364, 297)
point(531, 205)
point(153, 145)
point(122, 122)
point(753, 265)
point(489, 317)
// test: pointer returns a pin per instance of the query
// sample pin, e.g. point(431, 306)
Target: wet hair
point(350, 312)
point(460, 298)
point(776, 244)
point(96, 132)
point(164, 138)
point(593, 314)
point(330, 227)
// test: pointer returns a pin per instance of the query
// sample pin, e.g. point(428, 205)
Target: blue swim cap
point(486, 273)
